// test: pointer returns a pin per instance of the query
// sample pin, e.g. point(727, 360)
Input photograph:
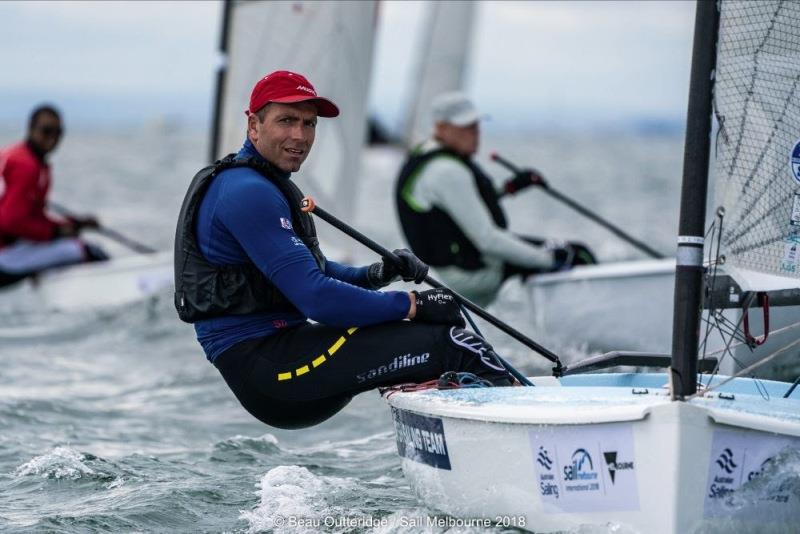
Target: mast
point(216, 133)
point(689, 268)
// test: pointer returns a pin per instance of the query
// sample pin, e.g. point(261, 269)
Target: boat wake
point(66, 463)
point(293, 499)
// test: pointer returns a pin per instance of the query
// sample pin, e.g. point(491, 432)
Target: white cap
point(454, 108)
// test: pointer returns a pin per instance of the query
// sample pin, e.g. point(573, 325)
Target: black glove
point(563, 254)
point(566, 255)
point(563, 258)
point(438, 306)
point(84, 222)
point(385, 272)
point(73, 226)
point(68, 229)
point(524, 179)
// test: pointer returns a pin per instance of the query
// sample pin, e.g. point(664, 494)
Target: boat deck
point(598, 398)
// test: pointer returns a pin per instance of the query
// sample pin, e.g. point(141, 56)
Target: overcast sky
point(532, 63)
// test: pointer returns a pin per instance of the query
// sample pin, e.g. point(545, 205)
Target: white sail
point(442, 61)
point(757, 101)
point(331, 44)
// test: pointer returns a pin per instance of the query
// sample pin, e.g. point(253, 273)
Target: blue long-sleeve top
point(244, 217)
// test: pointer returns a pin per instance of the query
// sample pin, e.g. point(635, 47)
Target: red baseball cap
point(287, 87)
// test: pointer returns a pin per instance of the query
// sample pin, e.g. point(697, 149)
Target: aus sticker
point(791, 255)
point(794, 161)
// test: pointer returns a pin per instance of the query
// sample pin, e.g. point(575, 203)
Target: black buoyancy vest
point(433, 235)
point(204, 290)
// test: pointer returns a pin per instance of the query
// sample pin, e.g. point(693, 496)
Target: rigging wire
point(771, 332)
point(750, 369)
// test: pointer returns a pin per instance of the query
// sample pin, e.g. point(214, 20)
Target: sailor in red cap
point(30, 239)
point(249, 274)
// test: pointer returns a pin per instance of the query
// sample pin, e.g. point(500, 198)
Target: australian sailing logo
point(723, 484)
point(725, 461)
point(543, 459)
point(613, 465)
point(547, 483)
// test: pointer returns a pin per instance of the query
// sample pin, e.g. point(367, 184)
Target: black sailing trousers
point(303, 375)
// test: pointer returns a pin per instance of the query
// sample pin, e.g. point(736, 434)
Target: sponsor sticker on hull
point(421, 438)
point(748, 477)
point(585, 468)
point(794, 161)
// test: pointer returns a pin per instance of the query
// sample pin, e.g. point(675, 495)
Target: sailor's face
point(285, 136)
point(462, 139)
point(46, 132)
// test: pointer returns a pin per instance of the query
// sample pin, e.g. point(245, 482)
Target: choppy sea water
point(116, 422)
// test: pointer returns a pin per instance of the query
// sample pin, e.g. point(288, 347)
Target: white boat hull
point(553, 459)
point(93, 286)
point(601, 306)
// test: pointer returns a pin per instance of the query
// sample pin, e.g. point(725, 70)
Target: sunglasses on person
point(51, 131)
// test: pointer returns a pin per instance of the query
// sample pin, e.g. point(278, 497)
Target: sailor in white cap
point(450, 210)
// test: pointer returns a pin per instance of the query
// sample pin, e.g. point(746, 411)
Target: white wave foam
point(269, 439)
point(61, 462)
point(295, 500)
point(117, 482)
point(778, 481)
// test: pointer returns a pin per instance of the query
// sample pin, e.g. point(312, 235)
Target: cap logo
point(306, 89)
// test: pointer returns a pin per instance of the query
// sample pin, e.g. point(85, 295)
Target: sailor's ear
point(252, 126)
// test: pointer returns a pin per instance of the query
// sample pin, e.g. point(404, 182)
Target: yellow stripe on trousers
point(319, 360)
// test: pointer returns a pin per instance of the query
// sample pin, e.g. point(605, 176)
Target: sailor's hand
point(567, 254)
point(385, 272)
point(563, 254)
point(563, 258)
point(66, 229)
point(524, 179)
point(437, 306)
point(412, 269)
point(85, 222)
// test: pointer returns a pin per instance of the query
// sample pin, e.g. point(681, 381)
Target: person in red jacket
point(30, 239)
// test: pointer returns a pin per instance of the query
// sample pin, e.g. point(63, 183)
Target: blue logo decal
point(725, 461)
point(421, 438)
point(543, 459)
point(582, 467)
point(794, 161)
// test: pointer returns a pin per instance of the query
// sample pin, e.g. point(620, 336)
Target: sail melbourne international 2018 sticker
point(580, 469)
point(794, 161)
